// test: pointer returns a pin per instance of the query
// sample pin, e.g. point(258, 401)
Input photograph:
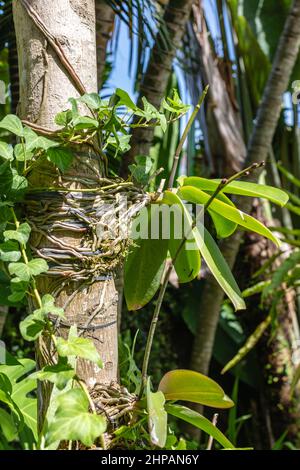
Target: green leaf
point(85, 122)
point(59, 374)
point(6, 151)
point(174, 104)
point(143, 270)
point(18, 289)
point(34, 141)
point(73, 422)
point(157, 417)
point(32, 326)
point(200, 422)
point(224, 227)
point(7, 426)
point(92, 100)
point(25, 271)
point(141, 171)
point(9, 252)
point(80, 347)
point(219, 267)
point(188, 261)
point(197, 196)
point(61, 157)
point(21, 153)
point(239, 188)
point(21, 388)
point(37, 266)
point(20, 270)
point(64, 118)
point(188, 385)
point(12, 124)
point(21, 235)
point(49, 307)
point(125, 99)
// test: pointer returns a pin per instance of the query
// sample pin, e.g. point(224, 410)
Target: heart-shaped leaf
point(80, 347)
point(72, 420)
point(12, 124)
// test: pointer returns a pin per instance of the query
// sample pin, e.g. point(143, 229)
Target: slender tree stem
point(184, 136)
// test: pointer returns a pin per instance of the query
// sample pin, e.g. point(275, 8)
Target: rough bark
point(104, 27)
point(155, 80)
point(222, 116)
point(44, 91)
point(258, 149)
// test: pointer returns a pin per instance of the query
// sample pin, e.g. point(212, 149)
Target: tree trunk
point(104, 27)
point(223, 120)
point(155, 80)
point(45, 87)
point(259, 146)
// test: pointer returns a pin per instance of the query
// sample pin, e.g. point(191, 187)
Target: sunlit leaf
point(188, 385)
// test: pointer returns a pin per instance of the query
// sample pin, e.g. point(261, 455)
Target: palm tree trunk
point(45, 87)
point(104, 27)
point(223, 120)
point(258, 149)
point(158, 72)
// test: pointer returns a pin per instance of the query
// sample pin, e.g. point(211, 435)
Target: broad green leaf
point(21, 388)
point(72, 420)
point(141, 170)
point(7, 425)
point(85, 122)
point(59, 374)
point(125, 99)
point(145, 262)
point(21, 235)
point(188, 385)
point(200, 422)
point(21, 153)
point(92, 100)
point(9, 252)
point(20, 270)
point(6, 151)
point(157, 417)
point(64, 118)
point(34, 141)
point(197, 196)
point(239, 188)
point(25, 271)
point(80, 347)
point(49, 307)
point(223, 226)
point(32, 326)
point(37, 266)
point(188, 261)
point(18, 289)
point(61, 157)
point(219, 267)
point(12, 124)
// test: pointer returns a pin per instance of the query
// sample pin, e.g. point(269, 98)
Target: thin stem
point(85, 390)
point(184, 136)
point(166, 277)
point(26, 261)
point(211, 439)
